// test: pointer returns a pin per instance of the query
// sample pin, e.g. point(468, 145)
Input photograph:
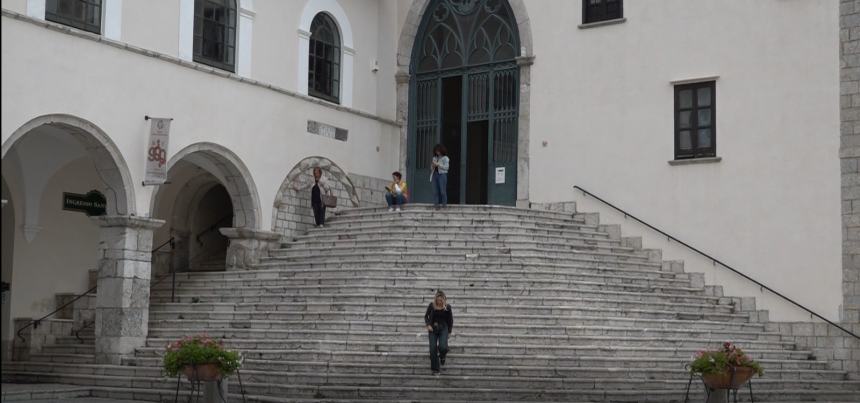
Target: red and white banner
point(156, 152)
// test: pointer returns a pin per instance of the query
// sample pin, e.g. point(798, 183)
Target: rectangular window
point(601, 10)
point(695, 120)
point(215, 33)
point(80, 14)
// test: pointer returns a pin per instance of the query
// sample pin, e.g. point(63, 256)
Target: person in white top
point(439, 178)
point(397, 194)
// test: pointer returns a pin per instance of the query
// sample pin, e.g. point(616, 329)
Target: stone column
point(402, 79)
point(248, 246)
point(122, 301)
point(523, 130)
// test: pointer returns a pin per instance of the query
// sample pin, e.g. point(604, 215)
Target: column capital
point(247, 233)
point(127, 221)
point(401, 77)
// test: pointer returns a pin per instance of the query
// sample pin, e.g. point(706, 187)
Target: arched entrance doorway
point(464, 93)
point(208, 189)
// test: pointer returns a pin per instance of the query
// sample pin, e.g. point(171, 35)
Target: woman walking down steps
point(439, 320)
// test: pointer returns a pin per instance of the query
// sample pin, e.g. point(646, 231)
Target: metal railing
point(716, 261)
point(35, 323)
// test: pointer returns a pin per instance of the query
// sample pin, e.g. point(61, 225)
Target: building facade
point(530, 97)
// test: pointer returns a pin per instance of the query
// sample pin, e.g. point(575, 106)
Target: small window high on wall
point(324, 59)
point(695, 120)
point(81, 14)
point(601, 10)
point(215, 33)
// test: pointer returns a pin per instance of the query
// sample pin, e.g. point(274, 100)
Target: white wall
point(65, 248)
point(604, 105)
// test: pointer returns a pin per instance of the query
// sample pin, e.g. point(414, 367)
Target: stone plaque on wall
point(325, 130)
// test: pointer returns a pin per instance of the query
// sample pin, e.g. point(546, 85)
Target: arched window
point(215, 33)
point(81, 14)
point(324, 59)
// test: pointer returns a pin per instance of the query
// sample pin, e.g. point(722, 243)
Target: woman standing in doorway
point(439, 320)
point(317, 204)
point(440, 175)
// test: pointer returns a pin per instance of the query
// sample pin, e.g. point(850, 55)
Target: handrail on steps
point(716, 261)
point(35, 323)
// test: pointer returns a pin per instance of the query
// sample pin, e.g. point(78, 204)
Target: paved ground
point(50, 393)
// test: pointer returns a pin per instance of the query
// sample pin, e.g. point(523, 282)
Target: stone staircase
point(548, 306)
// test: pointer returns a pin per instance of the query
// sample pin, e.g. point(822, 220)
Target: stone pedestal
point(247, 246)
point(122, 302)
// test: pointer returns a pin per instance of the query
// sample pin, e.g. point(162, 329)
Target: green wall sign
point(93, 203)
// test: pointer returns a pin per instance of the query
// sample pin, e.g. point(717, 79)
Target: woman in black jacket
point(439, 320)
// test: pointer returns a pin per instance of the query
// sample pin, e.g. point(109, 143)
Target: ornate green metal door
point(474, 42)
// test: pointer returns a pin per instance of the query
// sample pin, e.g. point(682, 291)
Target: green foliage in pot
point(719, 361)
point(199, 350)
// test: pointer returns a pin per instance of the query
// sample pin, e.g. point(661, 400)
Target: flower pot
point(202, 372)
point(726, 381)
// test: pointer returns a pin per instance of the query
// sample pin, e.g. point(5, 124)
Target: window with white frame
point(81, 14)
point(324, 62)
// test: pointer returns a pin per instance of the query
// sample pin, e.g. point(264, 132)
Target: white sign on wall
point(156, 151)
point(500, 175)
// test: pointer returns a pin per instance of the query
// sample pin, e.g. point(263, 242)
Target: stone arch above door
point(292, 213)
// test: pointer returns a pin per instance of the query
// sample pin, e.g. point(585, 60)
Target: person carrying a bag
point(439, 320)
point(317, 204)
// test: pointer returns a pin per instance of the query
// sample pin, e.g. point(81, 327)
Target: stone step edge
point(788, 344)
point(518, 317)
point(57, 368)
point(461, 326)
point(667, 382)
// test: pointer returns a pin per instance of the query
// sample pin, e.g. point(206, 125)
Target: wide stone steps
point(315, 302)
point(430, 256)
point(258, 381)
point(278, 349)
point(465, 338)
point(514, 366)
point(209, 312)
point(476, 230)
point(392, 388)
point(195, 325)
point(432, 222)
point(571, 252)
point(276, 371)
point(340, 310)
point(412, 289)
point(465, 252)
point(413, 241)
point(467, 295)
point(471, 211)
point(548, 306)
point(404, 238)
point(573, 278)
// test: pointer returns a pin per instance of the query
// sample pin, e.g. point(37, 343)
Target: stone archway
point(55, 154)
point(109, 162)
point(193, 173)
point(406, 43)
point(292, 212)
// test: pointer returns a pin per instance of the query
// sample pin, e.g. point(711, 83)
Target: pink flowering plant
point(718, 361)
point(198, 350)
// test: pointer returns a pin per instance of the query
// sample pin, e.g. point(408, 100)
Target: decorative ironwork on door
point(477, 41)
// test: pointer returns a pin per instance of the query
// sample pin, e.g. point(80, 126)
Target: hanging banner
point(156, 152)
